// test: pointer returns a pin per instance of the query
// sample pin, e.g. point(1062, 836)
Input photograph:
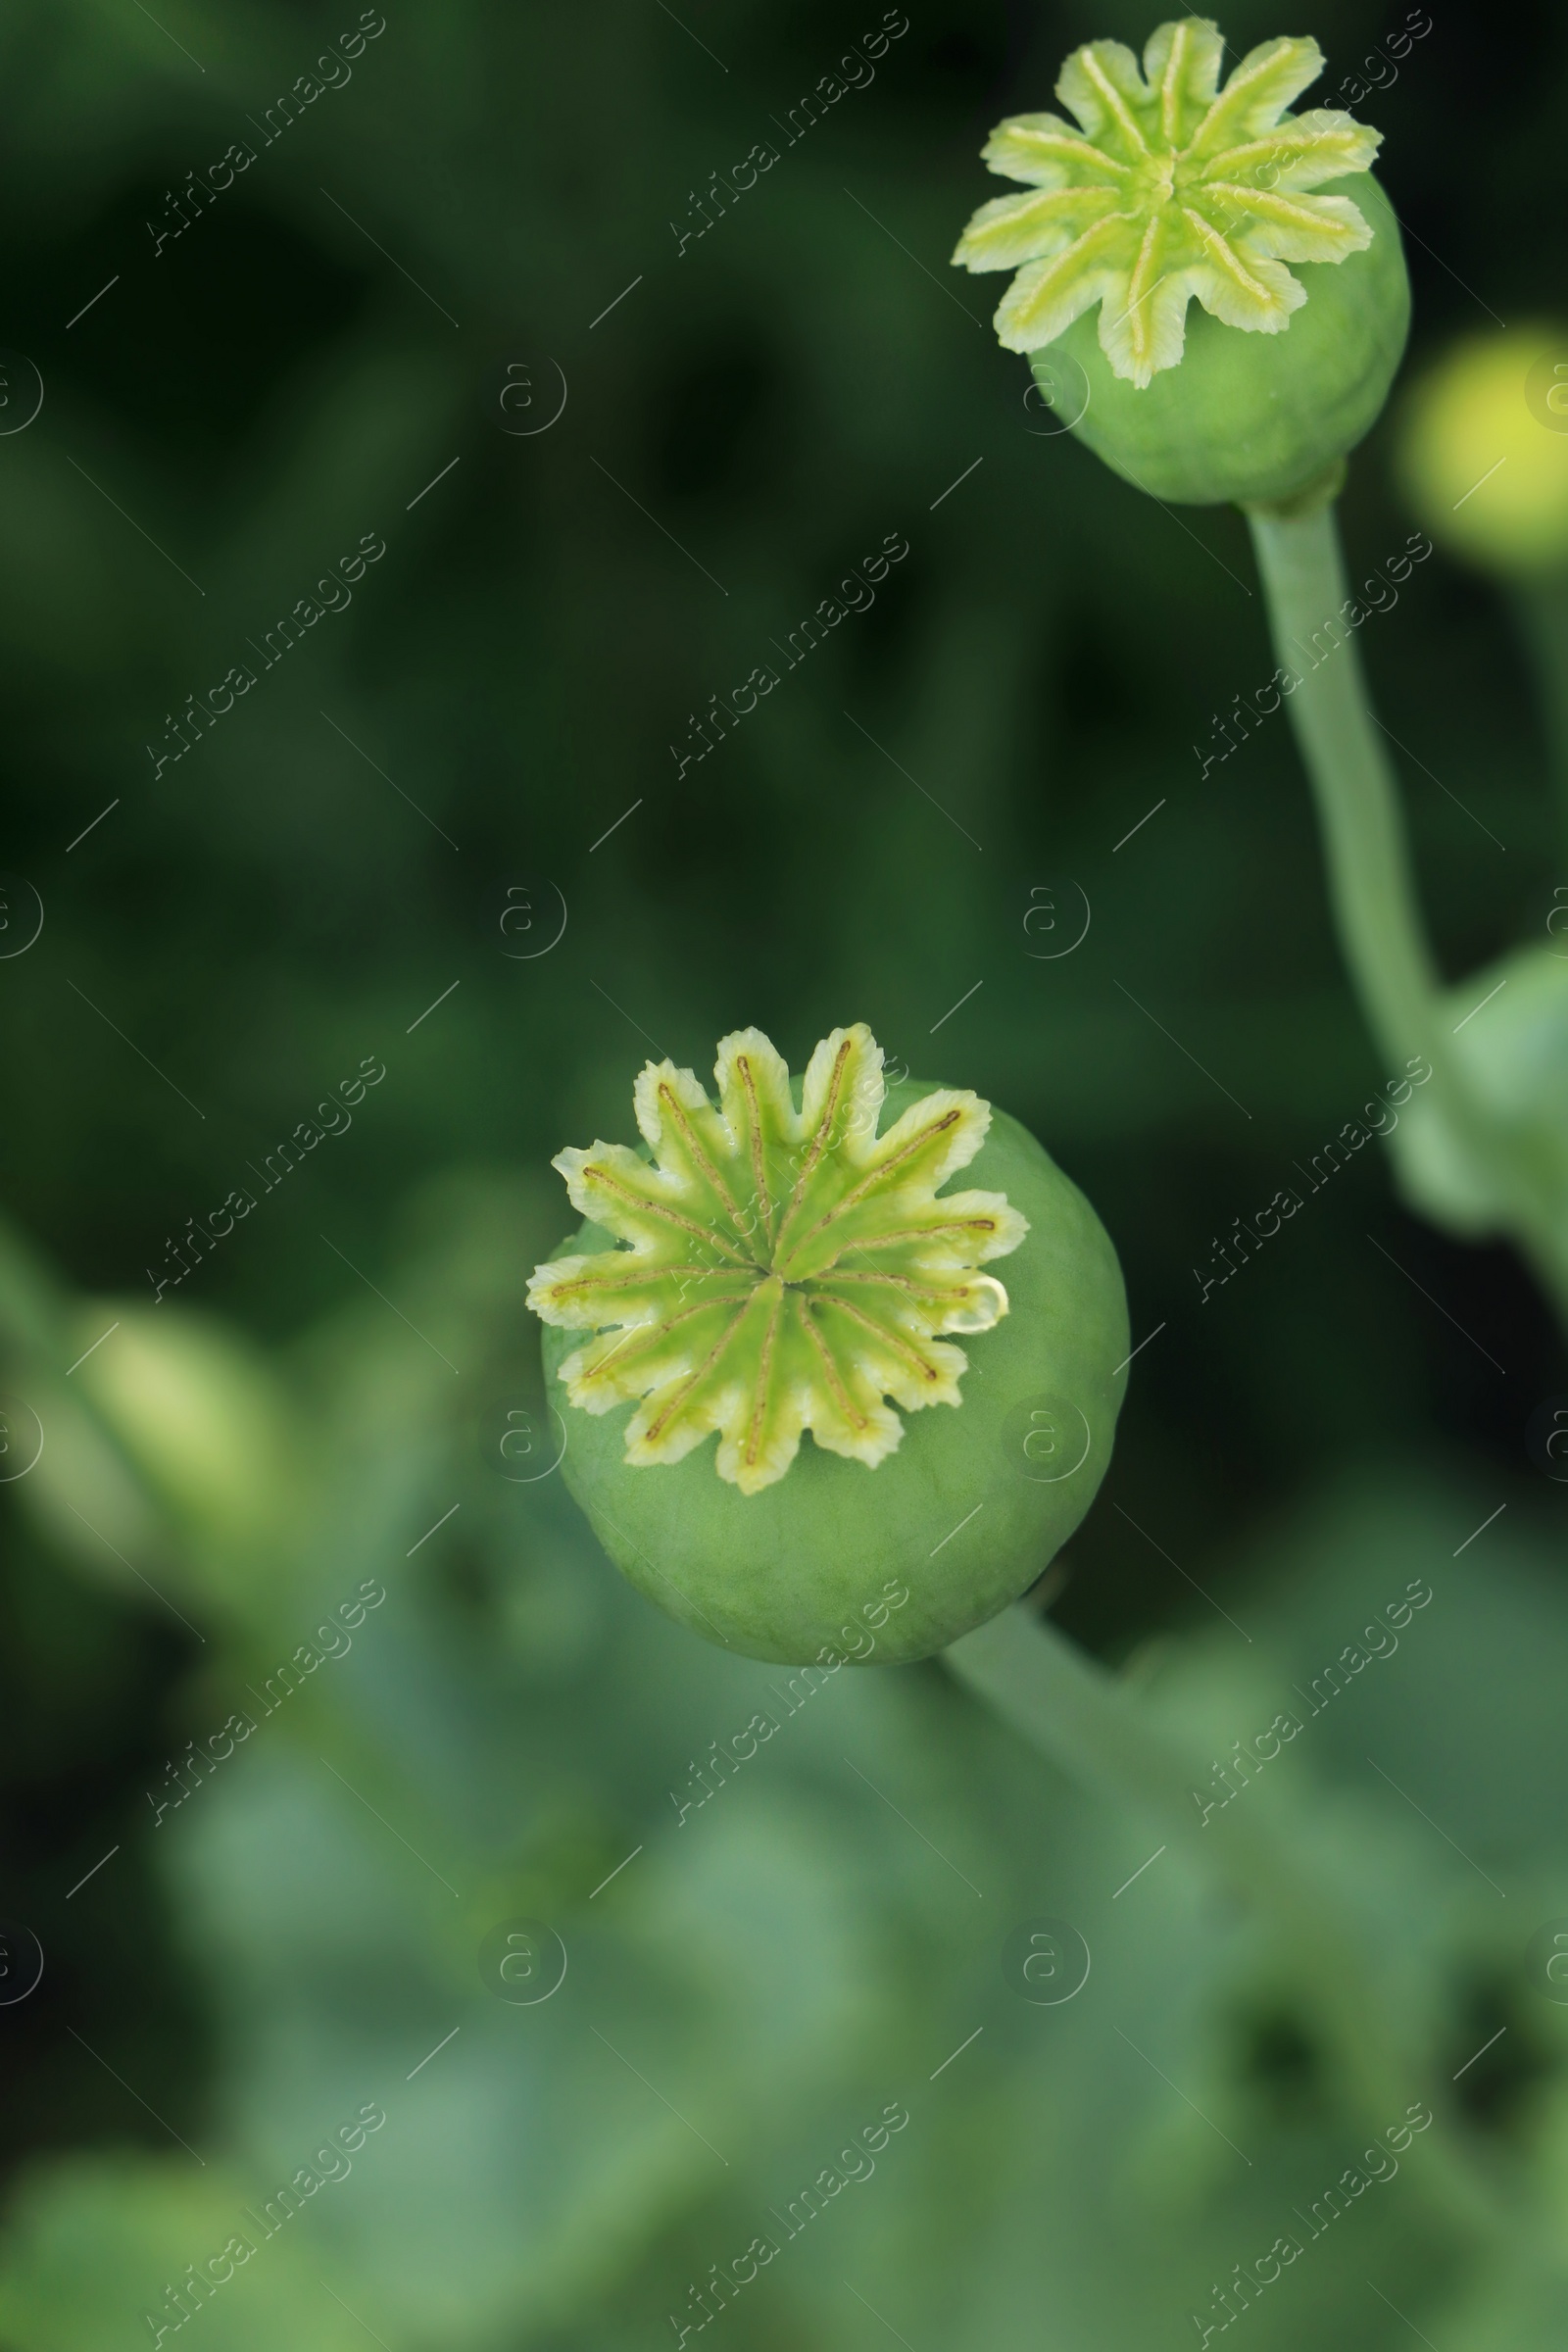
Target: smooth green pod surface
point(1253, 419)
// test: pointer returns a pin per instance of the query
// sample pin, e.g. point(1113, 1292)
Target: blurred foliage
point(240, 930)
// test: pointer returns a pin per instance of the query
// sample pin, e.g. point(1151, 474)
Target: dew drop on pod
point(784, 1270)
point(1164, 187)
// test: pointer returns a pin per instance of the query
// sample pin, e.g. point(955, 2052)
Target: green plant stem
point(1371, 884)
point(1375, 906)
point(1103, 1736)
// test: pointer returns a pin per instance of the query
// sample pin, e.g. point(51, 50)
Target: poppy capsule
point(784, 1271)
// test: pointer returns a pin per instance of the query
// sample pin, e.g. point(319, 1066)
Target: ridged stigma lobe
point(779, 1270)
point(1170, 188)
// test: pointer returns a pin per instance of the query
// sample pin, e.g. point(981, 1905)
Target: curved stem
point(1103, 1738)
point(1376, 910)
point(1375, 906)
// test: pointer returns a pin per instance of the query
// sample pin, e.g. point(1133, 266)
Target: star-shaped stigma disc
point(1164, 188)
point(781, 1269)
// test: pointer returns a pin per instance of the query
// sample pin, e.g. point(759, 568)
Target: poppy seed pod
point(790, 1270)
point(1509, 1030)
point(1166, 187)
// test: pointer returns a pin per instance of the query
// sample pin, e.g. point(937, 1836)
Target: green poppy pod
point(1251, 419)
point(791, 1271)
point(1167, 189)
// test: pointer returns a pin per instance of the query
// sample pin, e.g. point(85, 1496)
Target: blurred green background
point(365, 861)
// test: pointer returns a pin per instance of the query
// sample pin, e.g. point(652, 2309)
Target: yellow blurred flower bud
point(1484, 454)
